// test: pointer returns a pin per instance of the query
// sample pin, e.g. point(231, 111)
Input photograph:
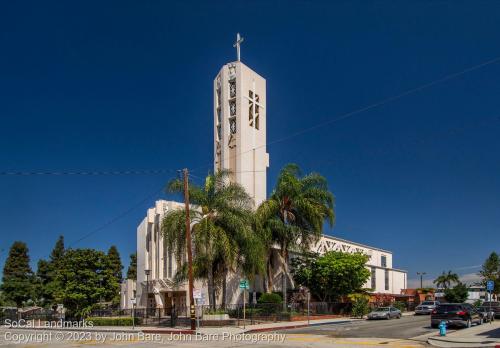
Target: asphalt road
point(404, 328)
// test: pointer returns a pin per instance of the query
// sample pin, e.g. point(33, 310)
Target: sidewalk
point(486, 335)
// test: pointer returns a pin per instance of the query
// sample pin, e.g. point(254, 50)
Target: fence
point(207, 315)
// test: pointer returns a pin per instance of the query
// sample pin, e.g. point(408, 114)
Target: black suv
point(455, 314)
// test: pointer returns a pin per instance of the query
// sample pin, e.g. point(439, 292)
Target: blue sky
point(119, 85)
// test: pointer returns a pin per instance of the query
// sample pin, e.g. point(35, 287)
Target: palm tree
point(293, 217)
point(446, 279)
point(221, 234)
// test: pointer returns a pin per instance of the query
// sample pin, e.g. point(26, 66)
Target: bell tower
point(240, 126)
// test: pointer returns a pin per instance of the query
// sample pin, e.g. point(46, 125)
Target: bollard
point(442, 329)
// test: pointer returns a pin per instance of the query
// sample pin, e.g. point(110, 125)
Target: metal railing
point(207, 315)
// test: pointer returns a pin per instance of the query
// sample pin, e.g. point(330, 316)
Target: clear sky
point(127, 85)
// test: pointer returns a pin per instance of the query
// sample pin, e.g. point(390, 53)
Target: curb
point(298, 326)
point(170, 331)
point(447, 342)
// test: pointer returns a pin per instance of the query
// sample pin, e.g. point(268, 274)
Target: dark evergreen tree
point(115, 263)
point(46, 273)
point(18, 279)
point(58, 251)
point(132, 268)
point(114, 266)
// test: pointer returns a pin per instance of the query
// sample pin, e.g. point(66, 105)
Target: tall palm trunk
point(270, 273)
point(211, 287)
point(224, 286)
point(284, 257)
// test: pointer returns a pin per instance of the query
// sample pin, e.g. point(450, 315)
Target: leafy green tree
point(46, 273)
point(446, 279)
point(333, 275)
point(457, 294)
point(115, 263)
point(18, 279)
point(293, 217)
point(222, 233)
point(84, 279)
point(132, 268)
point(491, 271)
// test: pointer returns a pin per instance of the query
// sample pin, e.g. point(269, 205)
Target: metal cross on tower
point(239, 40)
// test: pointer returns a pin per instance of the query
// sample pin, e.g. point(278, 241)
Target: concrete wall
point(127, 293)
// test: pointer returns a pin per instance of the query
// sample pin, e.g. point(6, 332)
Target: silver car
point(426, 307)
point(385, 313)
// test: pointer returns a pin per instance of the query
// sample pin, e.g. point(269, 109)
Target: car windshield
point(382, 309)
point(448, 308)
point(428, 303)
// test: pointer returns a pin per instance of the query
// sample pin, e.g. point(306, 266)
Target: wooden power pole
point(189, 251)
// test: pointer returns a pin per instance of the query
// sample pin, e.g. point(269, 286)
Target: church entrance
point(175, 302)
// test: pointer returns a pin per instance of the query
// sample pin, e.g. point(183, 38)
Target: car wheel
point(388, 316)
point(469, 323)
point(399, 316)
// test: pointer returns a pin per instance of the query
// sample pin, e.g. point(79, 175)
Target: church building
point(240, 146)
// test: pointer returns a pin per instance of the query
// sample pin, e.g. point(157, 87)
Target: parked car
point(455, 314)
point(385, 313)
point(426, 307)
point(486, 313)
point(495, 307)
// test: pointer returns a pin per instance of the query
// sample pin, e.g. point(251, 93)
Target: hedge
point(112, 321)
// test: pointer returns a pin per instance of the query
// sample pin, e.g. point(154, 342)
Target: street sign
point(244, 284)
point(490, 285)
point(196, 293)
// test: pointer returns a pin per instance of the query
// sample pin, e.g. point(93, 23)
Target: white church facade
point(240, 146)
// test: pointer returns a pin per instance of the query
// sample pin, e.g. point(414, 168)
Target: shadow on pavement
point(495, 333)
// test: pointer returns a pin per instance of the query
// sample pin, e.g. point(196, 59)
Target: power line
point(88, 173)
point(298, 133)
point(372, 106)
point(292, 135)
point(118, 217)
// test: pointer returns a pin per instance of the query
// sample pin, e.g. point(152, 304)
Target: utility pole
point(189, 251)
point(421, 274)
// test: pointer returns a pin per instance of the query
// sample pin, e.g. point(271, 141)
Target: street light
point(147, 272)
point(421, 274)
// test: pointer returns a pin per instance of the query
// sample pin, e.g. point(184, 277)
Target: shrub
point(457, 294)
point(112, 321)
point(360, 307)
point(400, 305)
point(270, 298)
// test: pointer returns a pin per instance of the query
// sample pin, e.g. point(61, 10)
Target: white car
point(426, 307)
point(384, 313)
